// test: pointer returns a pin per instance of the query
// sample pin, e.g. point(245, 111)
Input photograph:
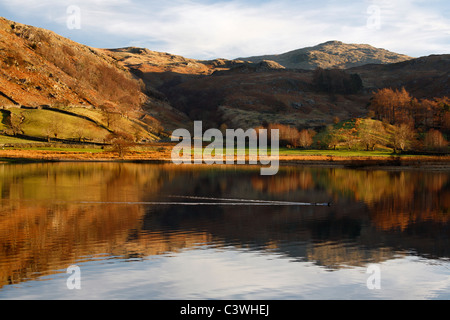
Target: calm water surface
point(140, 231)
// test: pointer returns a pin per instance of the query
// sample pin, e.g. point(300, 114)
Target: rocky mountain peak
point(333, 54)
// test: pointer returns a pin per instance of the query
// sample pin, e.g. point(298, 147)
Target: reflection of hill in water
point(44, 227)
point(375, 214)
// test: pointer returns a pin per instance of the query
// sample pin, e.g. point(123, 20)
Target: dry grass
point(162, 152)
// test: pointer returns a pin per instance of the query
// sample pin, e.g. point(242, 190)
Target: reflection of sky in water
point(239, 274)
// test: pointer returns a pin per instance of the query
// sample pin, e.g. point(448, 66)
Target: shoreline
point(164, 157)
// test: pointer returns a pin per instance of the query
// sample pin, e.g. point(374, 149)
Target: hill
point(40, 68)
point(242, 93)
point(424, 77)
point(287, 96)
point(333, 54)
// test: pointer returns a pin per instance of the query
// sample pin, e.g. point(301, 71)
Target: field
point(161, 152)
point(339, 153)
point(66, 124)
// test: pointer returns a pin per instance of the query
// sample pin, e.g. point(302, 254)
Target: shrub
point(306, 138)
point(435, 141)
point(288, 134)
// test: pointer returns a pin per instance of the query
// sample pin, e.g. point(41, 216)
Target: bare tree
point(402, 136)
point(16, 123)
point(120, 142)
point(288, 134)
point(55, 126)
point(370, 133)
point(48, 133)
point(391, 105)
point(305, 138)
point(79, 134)
point(435, 141)
point(349, 139)
point(110, 115)
point(111, 119)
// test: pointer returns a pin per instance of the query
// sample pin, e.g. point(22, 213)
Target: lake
point(164, 232)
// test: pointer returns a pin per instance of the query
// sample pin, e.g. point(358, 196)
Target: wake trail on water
point(250, 202)
point(213, 202)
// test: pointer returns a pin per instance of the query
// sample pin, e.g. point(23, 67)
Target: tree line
point(397, 106)
point(396, 120)
point(426, 120)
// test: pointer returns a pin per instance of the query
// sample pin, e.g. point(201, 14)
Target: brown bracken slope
point(39, 67)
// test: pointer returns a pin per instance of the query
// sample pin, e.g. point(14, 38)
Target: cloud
point(410, 26)
point(231, 29)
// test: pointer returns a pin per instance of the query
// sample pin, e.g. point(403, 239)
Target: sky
point(210, 29)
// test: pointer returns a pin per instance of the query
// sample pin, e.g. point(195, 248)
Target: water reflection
point(55, 215)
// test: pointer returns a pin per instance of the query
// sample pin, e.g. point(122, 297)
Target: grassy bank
point(338, 153)
point(161, 152)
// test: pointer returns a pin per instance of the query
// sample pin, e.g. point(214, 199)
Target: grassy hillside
point(68, 124)
point(349, 135)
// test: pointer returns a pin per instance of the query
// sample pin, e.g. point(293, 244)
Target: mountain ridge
point(333, 54)
point(308, 58)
